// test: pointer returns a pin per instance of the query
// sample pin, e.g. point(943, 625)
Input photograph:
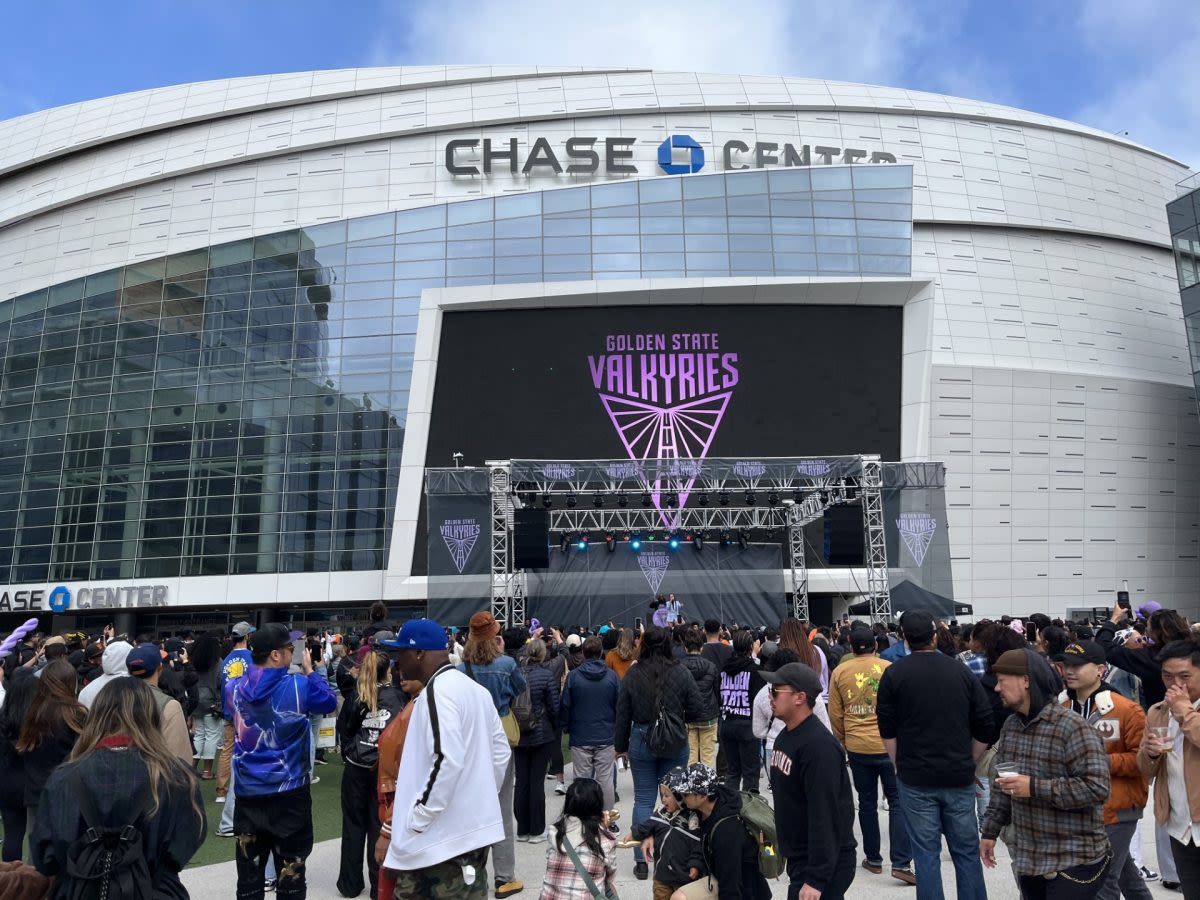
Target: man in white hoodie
point(447, 809)
point(113, 664)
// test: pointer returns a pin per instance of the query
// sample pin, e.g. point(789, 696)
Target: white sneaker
point(220, 800)
point(1149, 874)
point(537, 838)
point(316, 779)
point(560, 788)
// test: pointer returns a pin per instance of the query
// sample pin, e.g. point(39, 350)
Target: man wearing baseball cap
point(446, 813)
point(1051, 785)
point(1120, 723)
point(273, 814)
point(234, 666)
point(813, 811)
point(145, 662)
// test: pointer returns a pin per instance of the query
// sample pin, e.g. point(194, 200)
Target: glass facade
point(1183, 219)
point(240, 409)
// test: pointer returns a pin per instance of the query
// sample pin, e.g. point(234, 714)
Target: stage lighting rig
point(698, 540)
point(647, 501)
point(702, 500)
point(564, 542)
point(547, 501)
point(750, 498)
point(635, 543)
point(743, 539)
point(571, 501)
point(582, 543)
point(610, 542)
point(673, 541)
point(726, 539)
point(598, 500)
point(622, 501)
point(672, 500)
point(723, 498)
point(773, 498)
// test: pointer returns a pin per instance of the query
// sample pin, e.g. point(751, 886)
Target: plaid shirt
point(976, 662)
point(563, 881)
point(1061, 823)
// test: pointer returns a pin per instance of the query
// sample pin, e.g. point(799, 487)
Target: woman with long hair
point(532, 754)
point(121, 773)
point(209, 719)
point(376, 702)
point(13, 812)
point(657, 682)
point(583, 829)
point(485, 662)
point(620, 658)
point(793, 635)
point(51, 727)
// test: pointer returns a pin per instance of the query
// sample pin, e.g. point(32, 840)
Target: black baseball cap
point(1082, 652)
point(797, 676)
point(273, 636)
point(862, 639)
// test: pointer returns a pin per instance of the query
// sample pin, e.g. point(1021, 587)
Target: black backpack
point(106, 863)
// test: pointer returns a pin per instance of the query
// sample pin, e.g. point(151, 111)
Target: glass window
point(467, 211)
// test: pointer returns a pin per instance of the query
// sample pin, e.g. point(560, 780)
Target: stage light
point(571, 501)
point(647, 501)
point(635, 543)
point(626, 538)
point(673, 542)
point(773, 498)
point(622, 501)
point(672, 500)
point(564, 542)
point(610, 542)
point(582, 543)
point(798, 495)
point(726, 540)
point(598, 501)
point(702, 500)
point(750, 498)
point(743, 539)
point(698, 540)
point(547, 501)
point(723, 498)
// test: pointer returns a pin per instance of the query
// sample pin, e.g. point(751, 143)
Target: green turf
point(327, 814)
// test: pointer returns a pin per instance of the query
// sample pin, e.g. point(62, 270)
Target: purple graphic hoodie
point(273, 735)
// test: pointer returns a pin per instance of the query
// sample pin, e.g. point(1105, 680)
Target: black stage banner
point(593, 586)
point(798, 471)
point(918, 545)
point(458, 546)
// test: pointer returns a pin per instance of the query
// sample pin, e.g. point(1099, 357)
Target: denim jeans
point(868, 771)
point(1123, 879)
point(929, 813)
point(647, 770)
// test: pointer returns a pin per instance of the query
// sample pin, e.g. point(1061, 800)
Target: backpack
point(106, 863)
point(758, 819)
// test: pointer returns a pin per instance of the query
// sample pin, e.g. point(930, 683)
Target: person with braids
point(361, 722)
point(655, 682)
point(794, 636)
point(121, 773)
point(582, 844)
point(51, 727)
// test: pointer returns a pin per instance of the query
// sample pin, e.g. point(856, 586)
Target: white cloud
point(770, 37)
point(1154, 94)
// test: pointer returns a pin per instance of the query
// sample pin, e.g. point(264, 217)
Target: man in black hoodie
point(813, 810)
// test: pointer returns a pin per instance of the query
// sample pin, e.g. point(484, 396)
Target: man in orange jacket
point(1120, 723)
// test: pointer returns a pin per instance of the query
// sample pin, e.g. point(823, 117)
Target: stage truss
point(623, 496)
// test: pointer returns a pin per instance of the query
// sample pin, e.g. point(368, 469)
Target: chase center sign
point(679, 154)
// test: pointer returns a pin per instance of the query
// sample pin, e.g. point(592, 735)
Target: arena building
point(239, 318)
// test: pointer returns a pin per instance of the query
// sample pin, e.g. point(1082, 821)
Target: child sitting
point(670, 837)
point(583, 849)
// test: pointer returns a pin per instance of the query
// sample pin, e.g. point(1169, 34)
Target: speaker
point(531, 538)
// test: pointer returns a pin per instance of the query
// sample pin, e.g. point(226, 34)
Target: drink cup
point(1160, 735)
point(1006, 769)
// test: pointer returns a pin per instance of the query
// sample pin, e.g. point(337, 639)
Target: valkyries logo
point(679, 154)
point(460, 536)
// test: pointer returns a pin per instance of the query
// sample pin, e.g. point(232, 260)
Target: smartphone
point(637, 623)
point(1123, 595)
point(298, 650)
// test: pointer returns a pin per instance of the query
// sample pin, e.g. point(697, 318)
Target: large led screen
point(737, 381)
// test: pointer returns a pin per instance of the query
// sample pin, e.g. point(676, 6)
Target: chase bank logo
point(666, 155)
point(59, 600)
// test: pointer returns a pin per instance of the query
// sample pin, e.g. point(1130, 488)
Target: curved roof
point(34, 138)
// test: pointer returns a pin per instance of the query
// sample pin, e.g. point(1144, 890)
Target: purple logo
point(460, 536)
point(749, 469)
point(623, 471)
point(813, 468)
point(558, 471)
point(666, 395)
point(654, 565)
point(916, 530)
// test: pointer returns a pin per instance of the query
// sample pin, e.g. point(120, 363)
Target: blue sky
point(1116, 65)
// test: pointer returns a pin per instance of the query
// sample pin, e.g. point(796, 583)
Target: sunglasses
point(775, 690)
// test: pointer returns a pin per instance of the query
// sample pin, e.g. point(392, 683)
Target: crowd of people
point(742, 743)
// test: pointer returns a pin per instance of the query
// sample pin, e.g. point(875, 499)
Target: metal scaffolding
point(611, 496)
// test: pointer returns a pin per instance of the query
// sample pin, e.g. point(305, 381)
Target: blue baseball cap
point(418, 634)
point(143, 661)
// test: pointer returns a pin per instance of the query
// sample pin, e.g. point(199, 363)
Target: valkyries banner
point(678, 154)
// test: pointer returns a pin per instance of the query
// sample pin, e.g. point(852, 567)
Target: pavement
point(220, 880)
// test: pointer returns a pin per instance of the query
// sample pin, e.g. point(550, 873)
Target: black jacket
point(359, 731)
point(544, 694)
point(707, 683)
point(1143, 663)
point(740, 683)
point(45, 758)
point(676, 849)
point(170, 837)
point(638, 701)
point(346, 683)
point(730, 853)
